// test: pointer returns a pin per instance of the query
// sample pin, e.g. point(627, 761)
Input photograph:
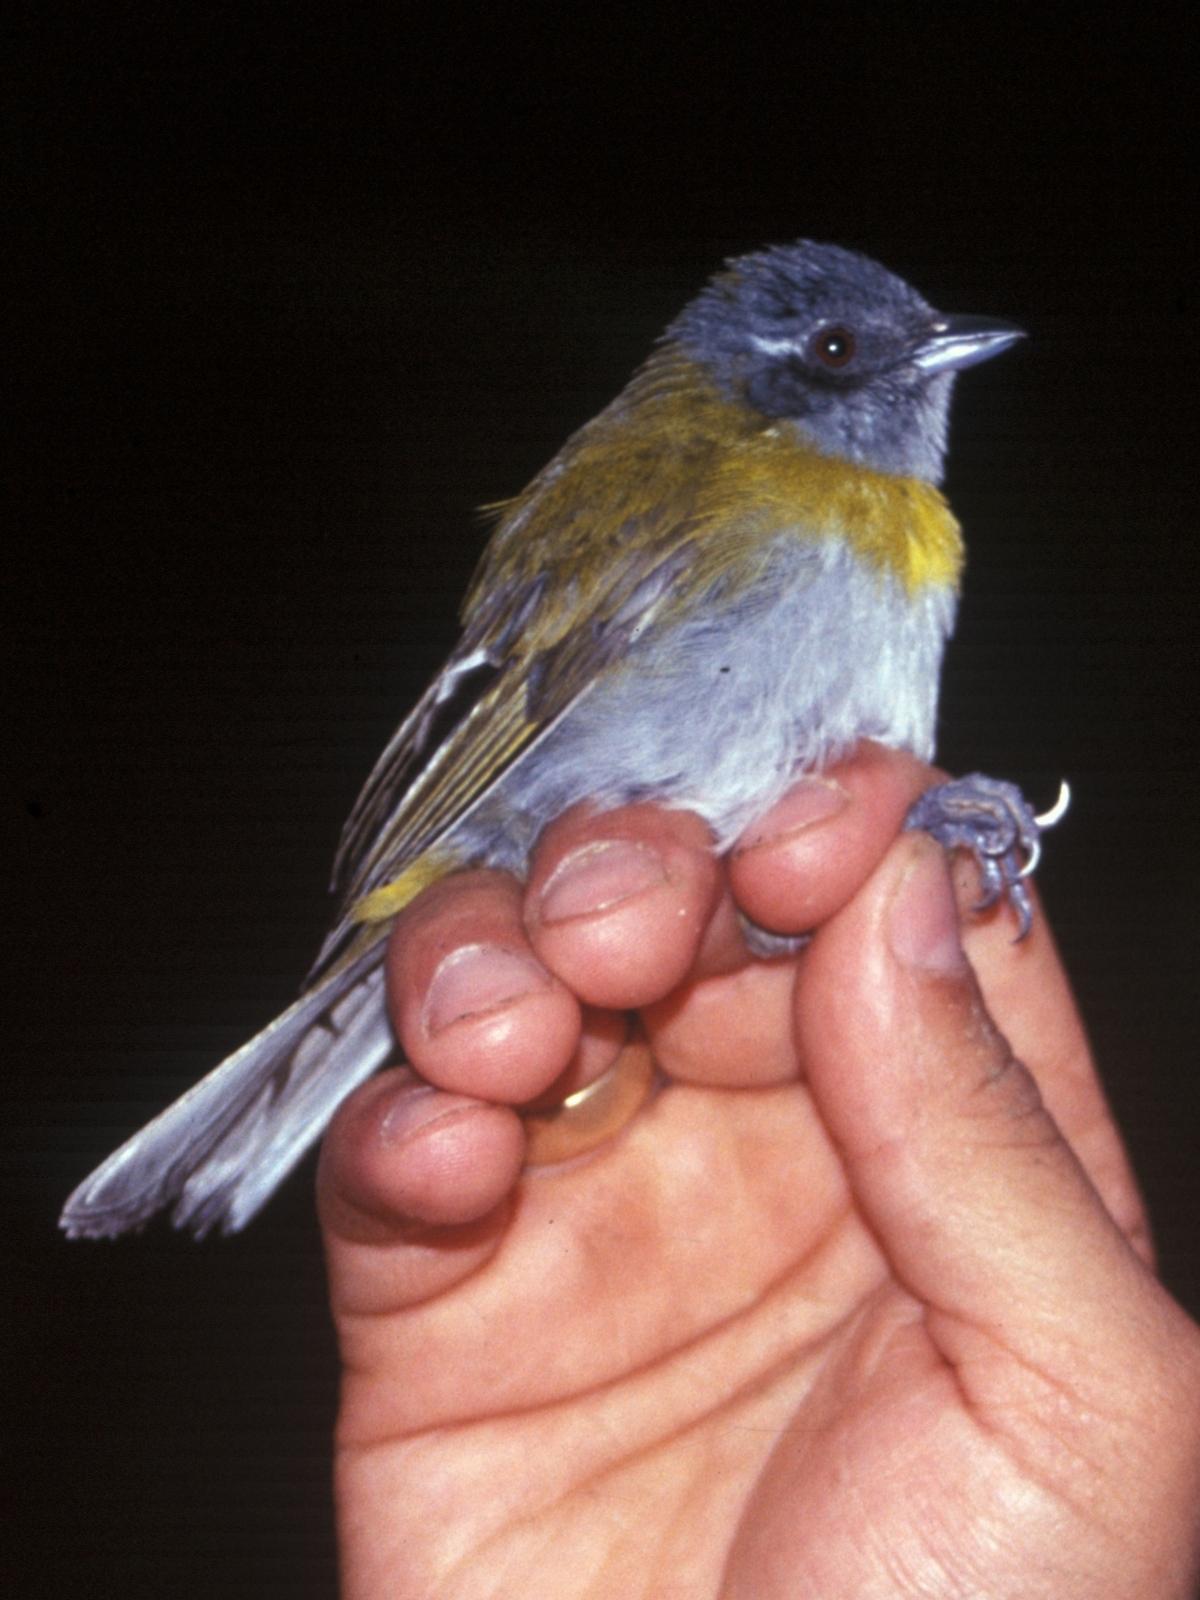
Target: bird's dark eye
point(832, 347)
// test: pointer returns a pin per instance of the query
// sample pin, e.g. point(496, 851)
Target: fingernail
point(413, 1109)
point(923, 917)
point(478, 978)
point(598, 876)
point(808, 802)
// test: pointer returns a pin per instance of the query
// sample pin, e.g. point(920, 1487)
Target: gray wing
point(431, 775)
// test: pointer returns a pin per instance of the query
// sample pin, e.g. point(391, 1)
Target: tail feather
point(220, 1151)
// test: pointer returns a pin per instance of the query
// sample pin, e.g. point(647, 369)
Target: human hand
point(855, 1306)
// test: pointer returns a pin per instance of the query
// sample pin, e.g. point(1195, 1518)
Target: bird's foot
point(995, 822)
point(766, 945)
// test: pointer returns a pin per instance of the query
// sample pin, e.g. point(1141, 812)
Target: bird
point(737, 570)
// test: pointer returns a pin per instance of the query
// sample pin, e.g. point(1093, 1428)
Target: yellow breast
point(671, 463)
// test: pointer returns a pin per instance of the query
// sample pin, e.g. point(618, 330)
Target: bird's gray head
point(832, 343)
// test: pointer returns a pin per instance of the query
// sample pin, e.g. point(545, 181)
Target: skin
point(859, 1305)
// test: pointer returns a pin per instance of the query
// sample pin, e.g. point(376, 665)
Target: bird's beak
point(953, 343)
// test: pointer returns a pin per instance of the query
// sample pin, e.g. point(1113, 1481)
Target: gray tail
point(225, 1146)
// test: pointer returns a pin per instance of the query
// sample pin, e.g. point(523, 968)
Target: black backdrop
point(294, 299)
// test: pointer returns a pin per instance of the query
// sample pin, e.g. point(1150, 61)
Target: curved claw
point(1044, 820)
point(1059, 809)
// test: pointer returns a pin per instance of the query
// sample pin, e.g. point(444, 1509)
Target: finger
point(730, 1031)
point(799, 864)
point(411, 1188)
point(1026, 991)
point(619, 903)
point(977, 1199)
point(474, 1008)
point(810, 853)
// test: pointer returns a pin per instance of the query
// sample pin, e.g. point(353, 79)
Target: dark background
point(293, 299)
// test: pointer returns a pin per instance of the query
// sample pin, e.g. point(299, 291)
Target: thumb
point(984, 1212)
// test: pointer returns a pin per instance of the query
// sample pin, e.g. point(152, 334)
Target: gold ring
point(592, 1114)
